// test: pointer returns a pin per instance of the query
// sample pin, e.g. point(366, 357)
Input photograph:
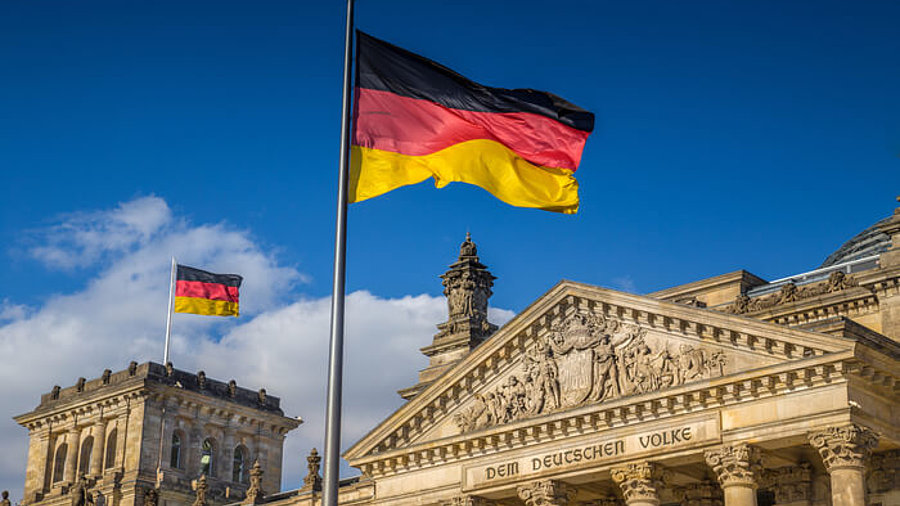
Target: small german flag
point(201, 292)
point(416, 119)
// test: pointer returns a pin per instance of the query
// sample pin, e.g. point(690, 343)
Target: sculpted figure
point(665, 369)
point(5, 500)
point(646, 378)
point(606, 374)
point(691, 363)
point(495, 408)
point(514, 393)
point(80, 494)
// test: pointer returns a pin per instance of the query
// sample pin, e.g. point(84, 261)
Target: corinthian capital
point(846, 446)
point(546, 493)
point(735, 465)
point(639, 482)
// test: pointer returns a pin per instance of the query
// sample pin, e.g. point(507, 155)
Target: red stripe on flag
point(416, 127)
point(211, 291)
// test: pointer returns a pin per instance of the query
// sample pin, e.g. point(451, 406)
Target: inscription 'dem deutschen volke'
point(594, 453)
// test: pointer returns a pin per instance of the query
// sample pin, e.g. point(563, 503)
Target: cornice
point(109, 402)
point(498, 353)
point(690, 399)
point(744, 278)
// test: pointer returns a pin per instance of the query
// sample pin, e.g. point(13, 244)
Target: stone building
point(104, 442)
point(729, 391)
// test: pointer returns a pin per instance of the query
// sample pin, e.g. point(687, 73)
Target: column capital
point(639, 482)
point(467, 500)
point(703, 493)
point(735, 464)
point(546, 493)
point(844, 446)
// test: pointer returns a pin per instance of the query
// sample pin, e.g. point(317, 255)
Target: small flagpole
point(336, 350)
point(171, 309)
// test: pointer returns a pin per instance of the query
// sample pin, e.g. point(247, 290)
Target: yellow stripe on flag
point(481, 162)
point(196, 305)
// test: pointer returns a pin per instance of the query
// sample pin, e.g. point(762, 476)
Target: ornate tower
point(100, 439)
point(467, 286)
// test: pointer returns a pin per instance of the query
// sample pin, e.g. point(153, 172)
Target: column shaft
point(97, 451)
point(737, 495)
point(848, 486)
point(72, 450)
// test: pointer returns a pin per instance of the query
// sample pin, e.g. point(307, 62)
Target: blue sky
point(756, 135)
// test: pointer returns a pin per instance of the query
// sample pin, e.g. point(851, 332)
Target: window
point(111, 449)
point(84, 461)
point(207, 451)
point(59, 463)
point(175, 454)
point(239, 465)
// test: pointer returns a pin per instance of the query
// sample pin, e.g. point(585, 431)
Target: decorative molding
point(546, 493)
point(735, 465)
point(640, 482)
point(845, 446)
point(588, 358)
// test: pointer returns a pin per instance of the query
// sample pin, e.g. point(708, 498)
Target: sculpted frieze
point(790, 292)
point(588, 358)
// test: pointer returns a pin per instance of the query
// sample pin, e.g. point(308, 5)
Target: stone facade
point(144, 435)
point(729, 391)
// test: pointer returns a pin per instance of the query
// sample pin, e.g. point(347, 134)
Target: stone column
point(792, 485)
point(97, 450)
point(737, 468)
point(546, 493)
point(844, 451)
point(640, 483)
point(704, 493)
point(72, 440)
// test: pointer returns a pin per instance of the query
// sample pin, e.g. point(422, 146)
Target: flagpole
point(170, 311)
point(336, 351)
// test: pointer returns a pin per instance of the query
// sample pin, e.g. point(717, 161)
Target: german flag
point(201, 292)
point(416, 119)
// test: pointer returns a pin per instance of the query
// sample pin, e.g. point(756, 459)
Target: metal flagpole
point(171, 310)
point(336, 351)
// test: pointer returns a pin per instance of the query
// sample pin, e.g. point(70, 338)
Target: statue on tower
point(467, 286)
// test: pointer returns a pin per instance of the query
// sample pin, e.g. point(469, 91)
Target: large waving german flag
point(201, 292)
point(416, 119)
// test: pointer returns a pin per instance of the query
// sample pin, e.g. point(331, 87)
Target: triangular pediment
point(580, 347)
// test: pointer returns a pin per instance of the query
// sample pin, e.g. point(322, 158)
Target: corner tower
point(141, 436)
point(467, 286)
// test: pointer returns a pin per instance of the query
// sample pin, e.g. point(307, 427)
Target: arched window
point(207, 452)
point(175, 454)
point(111, 449)
point(59, 463)
point(239, 465)
point(84, 461)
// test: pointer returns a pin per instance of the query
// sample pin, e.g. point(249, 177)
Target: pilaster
point(737, 469)
point(844, 451)
point(546, 493)
point(640, 483)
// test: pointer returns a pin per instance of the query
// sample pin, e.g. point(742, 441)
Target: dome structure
point(869, 242)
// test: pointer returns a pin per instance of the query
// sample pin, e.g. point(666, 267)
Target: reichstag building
point(727, 391)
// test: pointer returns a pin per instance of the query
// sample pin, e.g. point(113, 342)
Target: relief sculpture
point(589, 358)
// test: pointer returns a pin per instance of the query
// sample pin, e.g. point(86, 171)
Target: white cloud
point(119, 316)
